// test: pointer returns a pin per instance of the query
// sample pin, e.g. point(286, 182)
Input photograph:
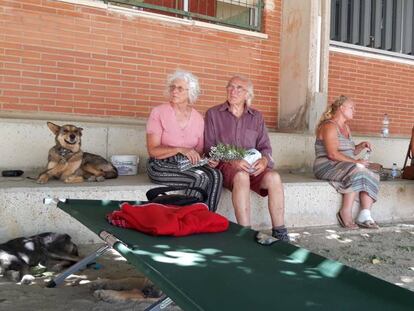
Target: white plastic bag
point(252, 155)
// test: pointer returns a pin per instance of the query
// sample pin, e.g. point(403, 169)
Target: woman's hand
point(376, 167)
point(213, 163)
point(361, 162)
point(191, 154)
point(361, 146)
point(259, 166)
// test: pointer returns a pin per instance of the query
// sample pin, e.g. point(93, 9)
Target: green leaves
point(224, 152)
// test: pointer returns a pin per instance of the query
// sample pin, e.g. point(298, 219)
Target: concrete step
point(309, 202)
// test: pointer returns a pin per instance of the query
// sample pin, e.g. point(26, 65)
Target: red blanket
point(159, 219)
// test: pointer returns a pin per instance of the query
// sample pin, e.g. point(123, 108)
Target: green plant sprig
point(226, 152)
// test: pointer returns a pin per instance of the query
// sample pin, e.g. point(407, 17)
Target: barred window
point(380, 24)
point(245, 14)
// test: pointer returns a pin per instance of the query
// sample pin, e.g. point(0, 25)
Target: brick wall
point(70, 59)
point(378, 87)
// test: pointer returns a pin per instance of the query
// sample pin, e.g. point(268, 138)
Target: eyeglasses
point(238, 88)
point(180, 89)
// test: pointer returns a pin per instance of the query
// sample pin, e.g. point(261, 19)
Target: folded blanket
point(160, 219)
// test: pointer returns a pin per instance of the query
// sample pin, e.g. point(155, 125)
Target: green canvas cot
point(230, 271)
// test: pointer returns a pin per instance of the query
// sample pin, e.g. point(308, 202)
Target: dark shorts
point(228, 176)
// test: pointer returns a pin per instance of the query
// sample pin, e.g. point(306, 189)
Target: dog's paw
point(91, 178)
point(95, 178)
point(72, 179)
point(42, 179)
point(27, 279)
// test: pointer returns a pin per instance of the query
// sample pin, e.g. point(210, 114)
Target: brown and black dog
point(127, 289)
point(52, 250)
point(67, 162)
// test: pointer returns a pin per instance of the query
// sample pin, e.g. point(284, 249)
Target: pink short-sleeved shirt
point(162, 122)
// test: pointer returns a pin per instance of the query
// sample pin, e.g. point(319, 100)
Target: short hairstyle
point(250, 91)
point(191, 80)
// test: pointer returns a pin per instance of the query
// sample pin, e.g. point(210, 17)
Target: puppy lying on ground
point(52, 250)
point(67, 162)
point(128, 289)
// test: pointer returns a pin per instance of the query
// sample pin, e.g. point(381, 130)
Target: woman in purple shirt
point(175, 132)
point(236, 123)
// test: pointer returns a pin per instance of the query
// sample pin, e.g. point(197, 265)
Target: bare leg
point(365, 200)
point(364, 218)
point(276, 201)
point(346, 209)
point(241, 198)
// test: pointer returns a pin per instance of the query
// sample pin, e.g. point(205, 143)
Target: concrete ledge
point(309, 202)
point(25, 144)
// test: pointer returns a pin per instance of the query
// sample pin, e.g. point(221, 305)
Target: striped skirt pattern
point(345, 177)
point(166, 172)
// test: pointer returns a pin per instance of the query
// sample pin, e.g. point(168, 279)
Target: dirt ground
point(387, 253)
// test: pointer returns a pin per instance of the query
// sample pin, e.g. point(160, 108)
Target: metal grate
point(380, 24)
point(245, 14)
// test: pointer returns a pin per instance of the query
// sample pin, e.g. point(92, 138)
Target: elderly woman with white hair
point(175, 131)
point(236, 123)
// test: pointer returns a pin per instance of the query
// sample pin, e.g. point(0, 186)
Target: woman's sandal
point(351, 226)
point(368, 224)
point(365, 220)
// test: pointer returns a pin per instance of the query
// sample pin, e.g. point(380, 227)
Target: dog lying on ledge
point(52, 250)
point(67, 162)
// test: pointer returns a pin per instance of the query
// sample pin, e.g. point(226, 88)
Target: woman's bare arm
point(329, 136)
point(158, 151)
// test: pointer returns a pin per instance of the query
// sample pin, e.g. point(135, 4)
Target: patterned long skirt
point(166, 172)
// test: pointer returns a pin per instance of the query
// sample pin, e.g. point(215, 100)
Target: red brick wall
point(70, 59)
point(378, 87)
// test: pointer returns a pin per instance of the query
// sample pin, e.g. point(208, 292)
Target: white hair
point(191, 80)
point(250, 90)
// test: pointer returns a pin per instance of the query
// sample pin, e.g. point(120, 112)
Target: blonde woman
point(336, 161)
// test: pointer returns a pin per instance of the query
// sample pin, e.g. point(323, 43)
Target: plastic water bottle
point(394, 170)
point(367, 155)
point(385, 124)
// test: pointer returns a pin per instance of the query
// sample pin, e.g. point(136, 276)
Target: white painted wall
point(25, 144)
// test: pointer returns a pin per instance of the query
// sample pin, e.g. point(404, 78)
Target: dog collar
point(63, 152)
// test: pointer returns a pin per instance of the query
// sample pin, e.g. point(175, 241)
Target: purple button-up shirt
point(248, 131)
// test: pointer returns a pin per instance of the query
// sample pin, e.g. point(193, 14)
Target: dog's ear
point(53, 127)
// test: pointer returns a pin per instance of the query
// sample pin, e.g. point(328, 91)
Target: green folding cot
point(230, 271)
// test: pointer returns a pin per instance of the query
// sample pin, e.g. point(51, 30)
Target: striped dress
point(345, 177)
point(166, 172)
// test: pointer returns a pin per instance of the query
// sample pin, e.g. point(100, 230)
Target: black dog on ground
point(52, 250)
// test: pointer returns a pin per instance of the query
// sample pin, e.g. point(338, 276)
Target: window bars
point(246, 14)
point(380, 24)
